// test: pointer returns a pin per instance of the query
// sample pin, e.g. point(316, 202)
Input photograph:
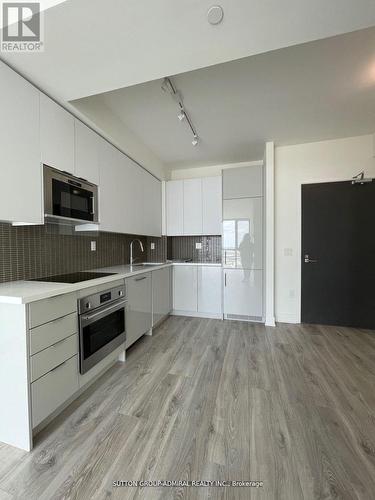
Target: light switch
point(198, 246)
point(152, 246)
point(288, 252)
point(93, 246)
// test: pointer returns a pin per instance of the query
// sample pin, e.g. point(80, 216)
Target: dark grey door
point(338, 254)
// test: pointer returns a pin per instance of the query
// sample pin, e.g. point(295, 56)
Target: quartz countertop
point(24, 292)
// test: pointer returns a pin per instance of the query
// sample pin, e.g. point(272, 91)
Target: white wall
point(325, 161)
point(208, 171)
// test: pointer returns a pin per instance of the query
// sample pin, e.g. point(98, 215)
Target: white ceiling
point(315, 91)
point(93, 46)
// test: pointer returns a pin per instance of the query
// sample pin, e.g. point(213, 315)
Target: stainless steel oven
point(101, 325)
point(69, 198)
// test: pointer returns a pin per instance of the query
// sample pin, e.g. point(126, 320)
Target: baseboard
point(270, 321)
point(196, 314)
point(287, 318)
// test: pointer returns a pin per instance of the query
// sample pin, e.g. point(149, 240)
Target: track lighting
point(168, 87)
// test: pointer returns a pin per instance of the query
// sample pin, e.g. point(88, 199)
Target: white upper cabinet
point(56, 135)
point(130, 186)
point(21, 174)
point(194, 206)
point(129, 197)
point(86, 153)
point(109, 189)
point(151, 205)
point(243, 182)
point(212, 205)
point(175, 208)
point(193, 223)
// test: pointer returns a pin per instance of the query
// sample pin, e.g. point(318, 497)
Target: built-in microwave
point(69, 198)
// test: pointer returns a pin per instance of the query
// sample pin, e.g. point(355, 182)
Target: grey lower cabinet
point(53, 350)
point(139, 307)
point(161, 294)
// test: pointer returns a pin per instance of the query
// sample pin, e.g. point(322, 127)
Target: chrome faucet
point(131, 249)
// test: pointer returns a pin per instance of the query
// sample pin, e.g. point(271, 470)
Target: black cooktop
point(73, 277)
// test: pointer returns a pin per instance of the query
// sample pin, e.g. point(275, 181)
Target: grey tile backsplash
point(36, 251)
point(28, 252)
point(184, 247)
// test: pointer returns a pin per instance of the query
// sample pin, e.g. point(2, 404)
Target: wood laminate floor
point(292, 406)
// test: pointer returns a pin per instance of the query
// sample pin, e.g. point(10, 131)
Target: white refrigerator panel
point(243, 233)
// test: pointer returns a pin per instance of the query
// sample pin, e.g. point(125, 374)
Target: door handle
point(310, 261)
point(141, 279)
point(225, 279)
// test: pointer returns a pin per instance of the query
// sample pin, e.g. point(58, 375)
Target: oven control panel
point(99, 299)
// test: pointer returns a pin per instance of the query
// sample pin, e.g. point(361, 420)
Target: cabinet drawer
point(52, 390)
point(53, 356)
point(47, 310)
point(48, 334)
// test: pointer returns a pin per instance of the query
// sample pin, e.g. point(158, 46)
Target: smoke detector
point(215, 14)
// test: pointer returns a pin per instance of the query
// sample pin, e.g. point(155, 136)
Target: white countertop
point(23, 292)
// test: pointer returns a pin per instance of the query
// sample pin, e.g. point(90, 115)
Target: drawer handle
point(140, 279)
point(60, 342)
point(59, 366)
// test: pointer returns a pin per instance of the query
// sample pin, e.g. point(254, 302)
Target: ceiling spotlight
point(181, 115)
point(195, 140)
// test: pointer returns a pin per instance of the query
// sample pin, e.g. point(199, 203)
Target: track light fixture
point(168, 86)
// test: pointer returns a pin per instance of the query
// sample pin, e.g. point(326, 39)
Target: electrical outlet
point(93, 246)
point(152, 246)
point(288, 252)
point(198, 246)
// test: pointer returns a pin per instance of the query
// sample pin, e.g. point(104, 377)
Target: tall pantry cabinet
point(242, 243)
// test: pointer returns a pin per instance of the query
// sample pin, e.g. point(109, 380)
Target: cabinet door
point(212, 205)
point(175, 208)
point(185, 288)
point(161, 294)
point(139, 307)
point(243, 233)
point(243, 296)
point(109, 190)
point(209, 289)
point(86, 153)
point(21, 173)
point(243, 182)
point(56, 135)
point(130, 183)
point(192, 206)
point(151, 205)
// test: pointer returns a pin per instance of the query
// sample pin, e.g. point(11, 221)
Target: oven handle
point(92, 211)
point(86, 319)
